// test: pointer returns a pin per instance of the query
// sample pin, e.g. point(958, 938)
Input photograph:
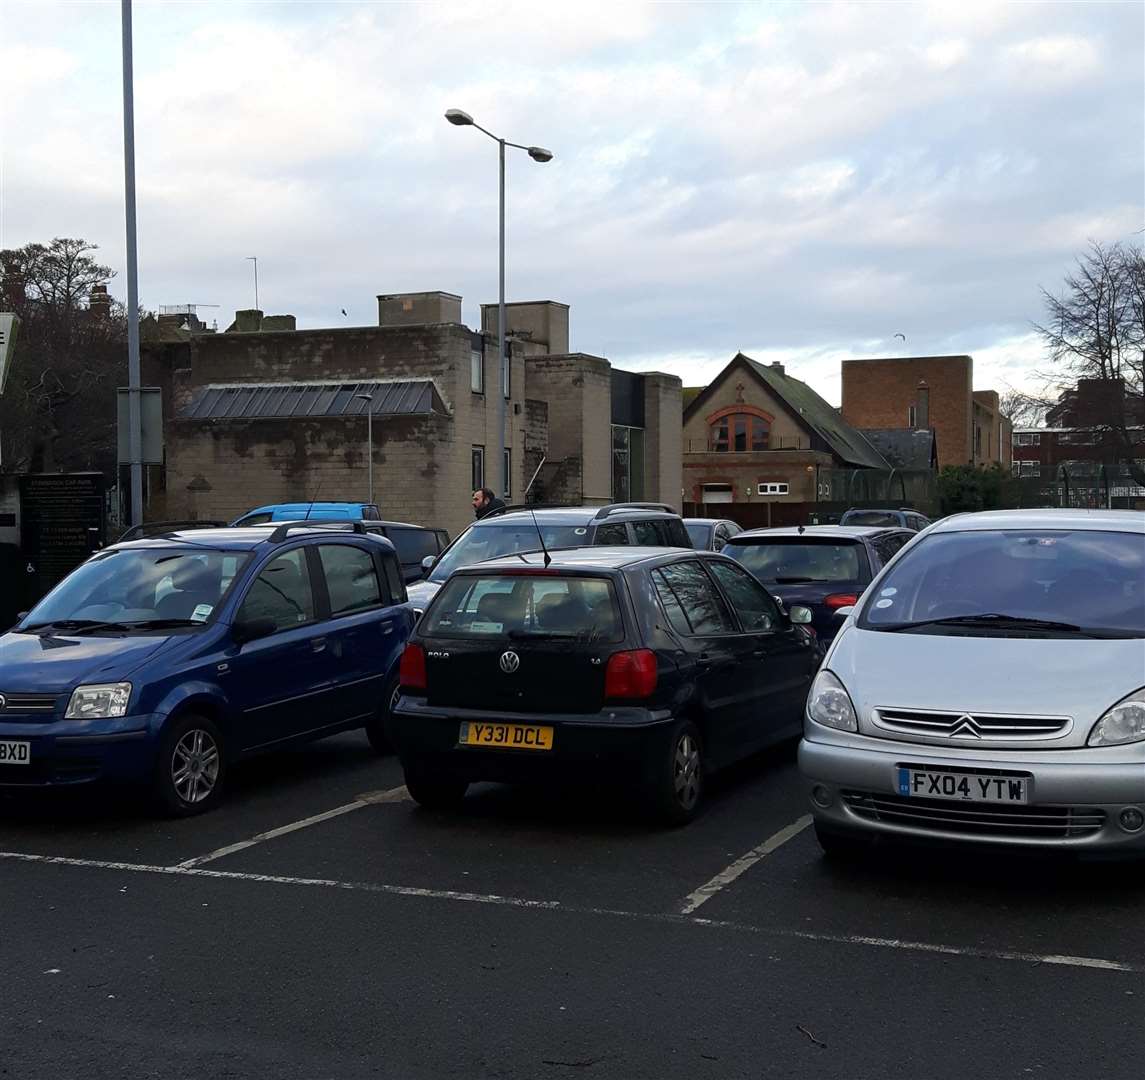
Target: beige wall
point(784, 430)
point(545, 321)
point(663, 438)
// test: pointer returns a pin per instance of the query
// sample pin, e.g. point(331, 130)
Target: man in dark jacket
point(485, 502)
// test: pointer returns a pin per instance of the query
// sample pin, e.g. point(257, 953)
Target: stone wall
point(663, 438)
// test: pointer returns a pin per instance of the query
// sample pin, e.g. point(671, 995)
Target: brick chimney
point(777, 367)
point(99, 303)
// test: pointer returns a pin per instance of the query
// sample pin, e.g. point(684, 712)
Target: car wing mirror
point(427, 563)
point(843, 612)
point(252, 630)
point(800, 616)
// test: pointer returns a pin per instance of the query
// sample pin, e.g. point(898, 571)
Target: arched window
point(738, 432)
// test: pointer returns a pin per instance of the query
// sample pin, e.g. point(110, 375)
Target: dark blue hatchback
point(164, 660)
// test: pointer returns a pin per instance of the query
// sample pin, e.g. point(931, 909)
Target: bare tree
point(1023, 409)
point(58, 409)
point(1096, 330)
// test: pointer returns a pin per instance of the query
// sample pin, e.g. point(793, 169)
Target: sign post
point(9, 324)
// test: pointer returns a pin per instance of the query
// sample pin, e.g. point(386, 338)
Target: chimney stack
point(99, 303)
point(778, 367)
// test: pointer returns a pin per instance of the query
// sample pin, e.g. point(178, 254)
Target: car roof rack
point(616, 508)
point(514, 507)
point(283, 529)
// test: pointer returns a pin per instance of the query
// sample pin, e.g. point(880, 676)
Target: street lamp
point(538, 154)
point(369, 399)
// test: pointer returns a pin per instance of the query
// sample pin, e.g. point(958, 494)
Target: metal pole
point(499, 468)
point(256, 307)
point(370, 446)
point(134, 412)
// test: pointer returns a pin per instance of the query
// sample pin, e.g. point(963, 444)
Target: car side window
point(697, 598)
point(650, 533)
point(609, 535)
point(254, 519)
point(370, 513)
point(671, 604)
point(721, 538)
point(351, 579)
point(677, 533)
point(757, 611)
point(888, 545)
point(394, 580)
point(281, 592)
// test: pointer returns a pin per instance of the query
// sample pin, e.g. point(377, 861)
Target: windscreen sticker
point(202, 613)
point(885, 604)
point(889, 592)
point(579, 532)
point(486, 627)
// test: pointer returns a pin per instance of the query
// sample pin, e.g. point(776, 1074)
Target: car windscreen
point(155, 585)
point(412, 545)
point(872, 517)
point(524, 605)
point(481, 542)
point(800, 559)
point(698, 533)
point(1005, 581)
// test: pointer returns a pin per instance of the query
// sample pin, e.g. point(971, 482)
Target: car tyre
point(190, 768)
point(377, 726)
point(434, 791)
point(677, 783)
point(841, 846)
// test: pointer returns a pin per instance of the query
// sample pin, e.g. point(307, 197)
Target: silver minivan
point(989, 688)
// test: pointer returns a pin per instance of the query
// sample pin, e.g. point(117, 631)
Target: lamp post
point(369, 400)
point(541, 155)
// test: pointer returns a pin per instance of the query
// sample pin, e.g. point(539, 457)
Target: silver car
point(989, 687)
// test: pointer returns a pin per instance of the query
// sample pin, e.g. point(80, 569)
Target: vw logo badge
point(509, 662)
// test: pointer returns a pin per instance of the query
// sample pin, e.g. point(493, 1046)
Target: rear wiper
point(793, 580)
point(992, 619)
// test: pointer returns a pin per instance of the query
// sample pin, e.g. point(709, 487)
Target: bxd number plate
point(15, 753)
point(962, 787)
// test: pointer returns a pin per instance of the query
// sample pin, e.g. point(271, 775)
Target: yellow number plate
point(507, 736)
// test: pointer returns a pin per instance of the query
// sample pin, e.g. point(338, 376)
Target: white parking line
point(1061, 960)
point(369, 798)
point(744, 863)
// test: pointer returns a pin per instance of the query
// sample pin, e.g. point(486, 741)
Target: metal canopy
point(283, 401)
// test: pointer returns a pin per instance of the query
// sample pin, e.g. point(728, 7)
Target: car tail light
point(630, 674)
point(411, 671)
point(838, 600)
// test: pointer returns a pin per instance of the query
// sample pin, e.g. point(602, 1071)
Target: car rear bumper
point(65, 753)
point(615, 744)
point(1074, 804)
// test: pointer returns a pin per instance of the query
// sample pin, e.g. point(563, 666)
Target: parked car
point(164, 660)
point(649, 668)
point(310, 511)
point(902, 519)
point(989, 689)
point(710, 534)
point(520, 529)
point(413, 543)
point(822, 567)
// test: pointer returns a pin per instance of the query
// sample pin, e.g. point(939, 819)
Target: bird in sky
point(903, 336)
point(344, 312)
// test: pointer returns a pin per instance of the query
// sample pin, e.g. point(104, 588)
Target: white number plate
point(962, 787)
point(15, 753)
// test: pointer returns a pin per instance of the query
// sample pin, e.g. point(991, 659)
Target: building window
point(773, 489)
point(1029, 438)
point(912, 416)
point(477, 371)
point(478, 467)
point(977, 442)
point(508, 463)
point(1030, 468)
point(739, 432)
point(627, 463)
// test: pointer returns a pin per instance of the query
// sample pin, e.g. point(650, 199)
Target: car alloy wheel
point(195, 764)
point(686, 775)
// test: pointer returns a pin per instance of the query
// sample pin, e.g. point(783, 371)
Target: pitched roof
point(904, 448)
point(847, 443)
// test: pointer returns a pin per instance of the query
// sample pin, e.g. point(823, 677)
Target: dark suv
point(646, 668)
point(516, 528)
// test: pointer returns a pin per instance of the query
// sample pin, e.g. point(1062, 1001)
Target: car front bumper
point(64, 753)
point(617, 744)
point(1075, 802)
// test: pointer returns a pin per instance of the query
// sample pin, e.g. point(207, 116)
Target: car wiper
point(74, 625)
point(994, 619)
point(159, 624)
point(793, 580)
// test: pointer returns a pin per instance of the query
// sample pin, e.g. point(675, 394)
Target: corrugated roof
point(847, 442)
point(272, 401)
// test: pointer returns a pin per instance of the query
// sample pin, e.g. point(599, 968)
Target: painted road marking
point(1056, 959)
point(369, 798)
point(744, 863)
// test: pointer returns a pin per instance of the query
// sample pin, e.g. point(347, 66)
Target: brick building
point(266, 413)
point(756, 434)
point(935, 392)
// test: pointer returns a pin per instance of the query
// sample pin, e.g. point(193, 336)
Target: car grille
point(969, 727)
point(977, 819)
point(28, 704)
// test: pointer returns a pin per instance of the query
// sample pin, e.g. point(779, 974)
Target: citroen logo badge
point(3, 702)
point(966, 728)
point(509, 662)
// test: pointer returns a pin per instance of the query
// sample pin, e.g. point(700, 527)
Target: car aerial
point(990, 689)
point(902, 519)
point(822, 567)
point(310, 511)
point(644, 666)
point(163, 660)
point(710, 534)
point(519, 529)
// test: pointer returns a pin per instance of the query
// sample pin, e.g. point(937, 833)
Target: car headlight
point(101, 702)
point(829, 703)
point(1124, 723)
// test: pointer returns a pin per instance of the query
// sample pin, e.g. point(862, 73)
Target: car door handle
point(387, 627)
point(318, 644)
point(759, 654)
point(705, 659)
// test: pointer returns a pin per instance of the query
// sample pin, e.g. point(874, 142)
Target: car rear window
point(525, 605)
point(800, 559)
point(872, 517)
point(412, 545)
point(698, 534)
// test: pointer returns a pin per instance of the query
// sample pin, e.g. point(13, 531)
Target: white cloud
point(1055, 60)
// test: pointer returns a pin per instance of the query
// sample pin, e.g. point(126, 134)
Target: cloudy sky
point(799, 181)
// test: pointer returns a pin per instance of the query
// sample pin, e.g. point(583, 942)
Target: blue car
point(310, 511)
point(162, 661)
